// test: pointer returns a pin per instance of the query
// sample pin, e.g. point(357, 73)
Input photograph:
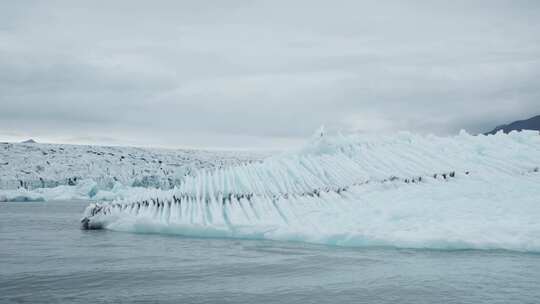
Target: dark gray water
point(46, 258)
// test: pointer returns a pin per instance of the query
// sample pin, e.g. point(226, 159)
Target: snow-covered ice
point(406, 190)
point(86, 189)
point(30, 171)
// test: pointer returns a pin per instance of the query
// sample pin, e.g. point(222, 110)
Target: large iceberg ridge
point(412, 191)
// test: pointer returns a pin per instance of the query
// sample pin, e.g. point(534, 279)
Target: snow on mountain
point(32, 166)
point(532, 123)
point(402, 191)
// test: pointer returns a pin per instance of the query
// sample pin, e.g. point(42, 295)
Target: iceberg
point(83, 190)
point(405, 190)
point(86, 189)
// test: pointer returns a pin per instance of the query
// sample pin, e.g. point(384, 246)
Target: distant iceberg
point(84, 190)
point(406, 190)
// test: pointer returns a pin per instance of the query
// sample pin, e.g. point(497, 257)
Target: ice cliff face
point(405, 190)
point(31, 166)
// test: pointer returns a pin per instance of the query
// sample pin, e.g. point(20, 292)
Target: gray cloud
point(262, 73)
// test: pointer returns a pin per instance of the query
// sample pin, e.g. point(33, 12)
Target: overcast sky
point(262, 74)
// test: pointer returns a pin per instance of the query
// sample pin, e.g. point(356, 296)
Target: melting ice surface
point(477, 192)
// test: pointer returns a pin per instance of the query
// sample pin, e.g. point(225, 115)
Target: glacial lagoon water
point(46, 258)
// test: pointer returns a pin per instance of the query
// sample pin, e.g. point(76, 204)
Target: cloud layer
point(239, 74)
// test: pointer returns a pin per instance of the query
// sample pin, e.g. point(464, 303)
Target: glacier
point(33, 166)
point(404, 190)
point(45, 172)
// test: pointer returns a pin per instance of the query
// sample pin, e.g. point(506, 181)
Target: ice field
point(42, 172)
point(406, 190)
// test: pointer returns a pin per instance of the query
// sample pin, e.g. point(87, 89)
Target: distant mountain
point(29, 141)
point(532, 123)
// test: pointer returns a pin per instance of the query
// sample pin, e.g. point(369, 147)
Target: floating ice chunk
point(20, 195)
point(405, 190)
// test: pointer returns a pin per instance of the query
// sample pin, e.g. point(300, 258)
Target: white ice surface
point(492, 202)
point(84, 190)
point(33, 166)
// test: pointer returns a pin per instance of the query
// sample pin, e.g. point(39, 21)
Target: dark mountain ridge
point(532, 123)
